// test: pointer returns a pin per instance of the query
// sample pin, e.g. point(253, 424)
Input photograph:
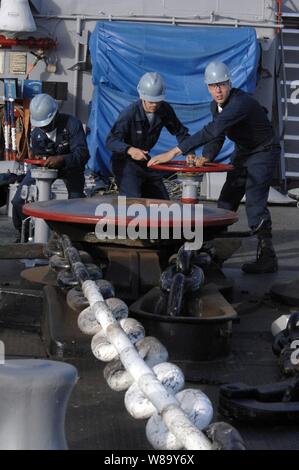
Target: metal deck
point(97, 418)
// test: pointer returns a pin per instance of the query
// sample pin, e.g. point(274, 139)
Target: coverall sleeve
point(78, 154)
point(175, 127)
point(229, 117)
point(212, 148)
point(116, 139)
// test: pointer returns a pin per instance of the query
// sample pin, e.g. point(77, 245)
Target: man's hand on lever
point(201, 161)
point(190, 159)
point(164, 157)
point(193, 160)
point(137, 154)
point(56, 161)
point(36, 157)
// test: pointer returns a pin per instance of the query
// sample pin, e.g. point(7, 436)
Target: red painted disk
point(92, 210)
point(35, 162)
point(182, 167)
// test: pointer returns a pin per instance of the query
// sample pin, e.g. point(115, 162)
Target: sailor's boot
point(266, 260)
point(18, 237)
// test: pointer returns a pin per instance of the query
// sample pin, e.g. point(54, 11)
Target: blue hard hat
point(43, 109)
point(151, 87)
point(216, 72)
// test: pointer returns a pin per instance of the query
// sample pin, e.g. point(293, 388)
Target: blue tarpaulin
point(122, 52)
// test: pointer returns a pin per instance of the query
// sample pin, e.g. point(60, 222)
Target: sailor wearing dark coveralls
point(240, 117)
point(61, 139)
point(135, 133)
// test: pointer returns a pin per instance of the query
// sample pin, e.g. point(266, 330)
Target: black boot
point(266, 260)
point(18, 237)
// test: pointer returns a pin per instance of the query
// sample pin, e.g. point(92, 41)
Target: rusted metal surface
point(41, 275)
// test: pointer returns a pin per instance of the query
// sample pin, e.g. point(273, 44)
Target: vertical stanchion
point(13, 154)
point(6, 130)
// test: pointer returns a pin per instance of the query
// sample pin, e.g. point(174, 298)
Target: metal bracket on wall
point(83, 64)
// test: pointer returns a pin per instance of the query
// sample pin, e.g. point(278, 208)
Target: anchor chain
point(136, 362)
point(180, 278)
point(285, 345)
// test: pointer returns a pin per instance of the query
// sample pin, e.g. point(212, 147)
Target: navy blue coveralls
point(70, 142)
point(257, 150)
point(132, 129)
point(5, 180)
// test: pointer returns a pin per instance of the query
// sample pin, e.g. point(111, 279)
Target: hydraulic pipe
point(44, 178)
point(164, 20)
point(6, 131)
point(76, 71)
point(13, 129)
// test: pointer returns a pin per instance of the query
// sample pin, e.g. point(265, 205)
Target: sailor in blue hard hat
point(60, 139)
point(238, 116)
point(135, 132)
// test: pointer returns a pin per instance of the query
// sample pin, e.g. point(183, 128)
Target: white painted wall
point(243, 9)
